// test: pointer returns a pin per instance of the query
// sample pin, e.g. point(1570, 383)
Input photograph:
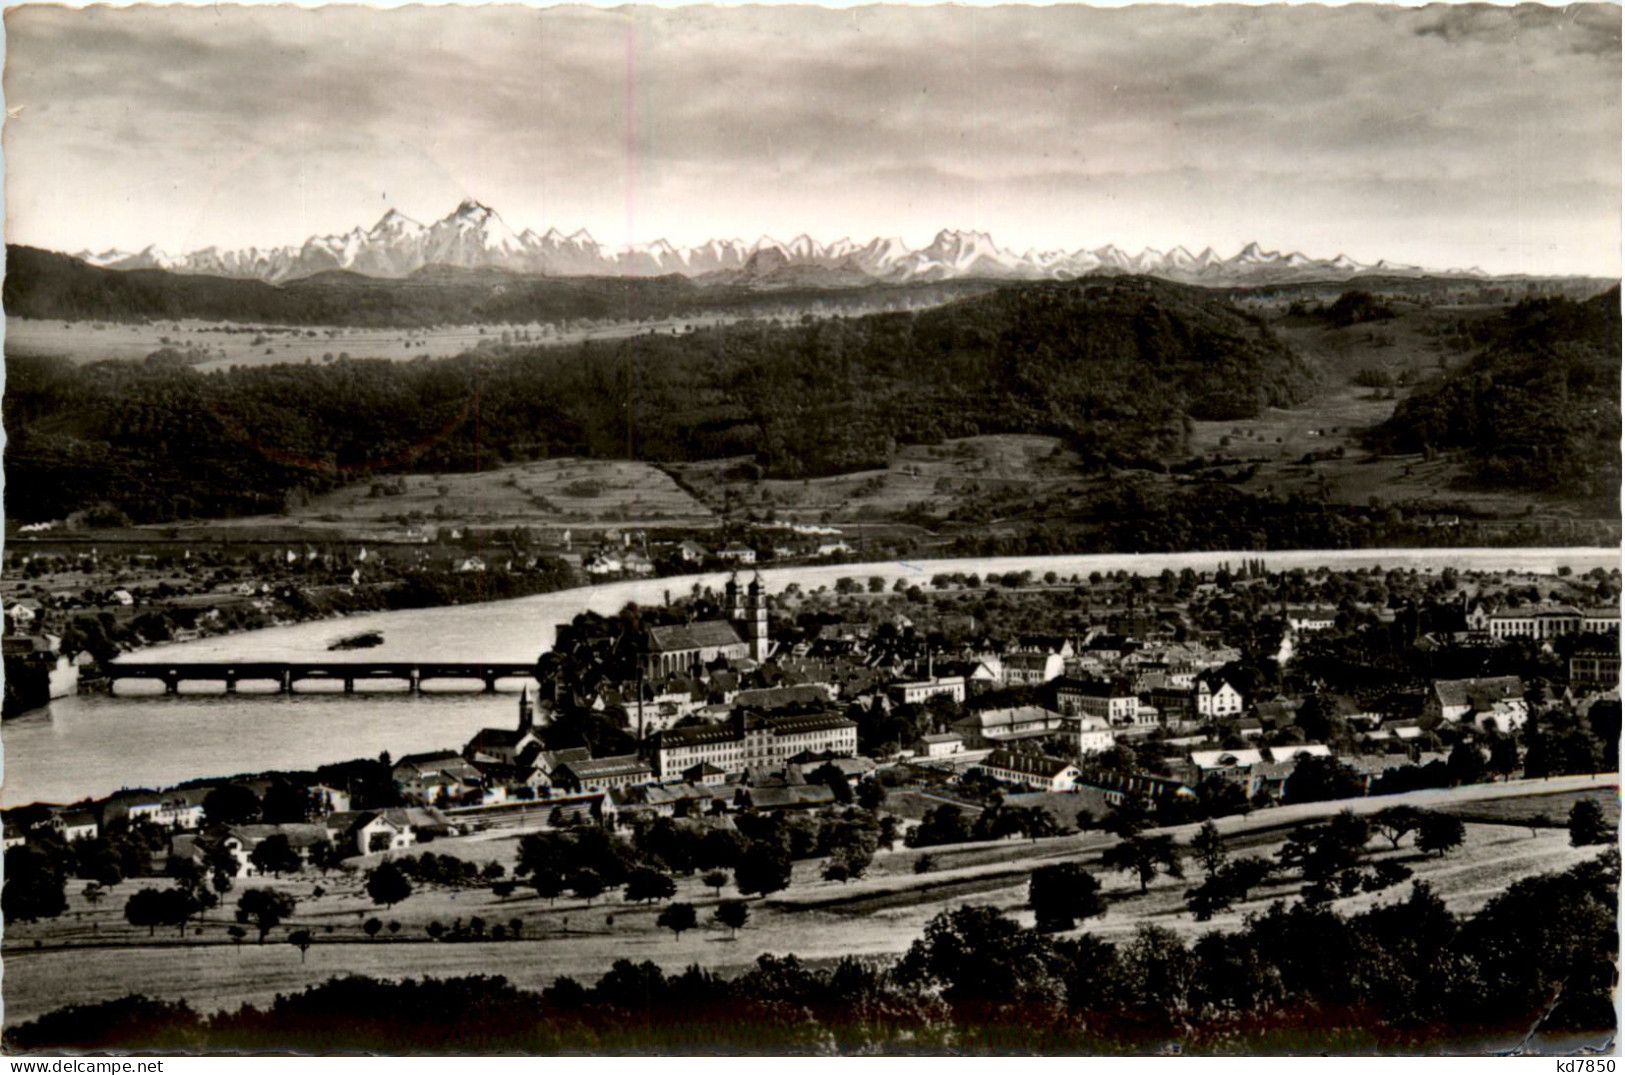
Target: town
point(806, 744)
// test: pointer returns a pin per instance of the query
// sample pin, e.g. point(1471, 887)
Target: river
point(92, 745)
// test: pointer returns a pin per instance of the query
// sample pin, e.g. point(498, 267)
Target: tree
point(372, 927)
point(275, 855)
point(762, 870)
point(1128, 818)
point(146, 907)
point(264, 908)
point(586, 884)
point(677, 917)
point(733, 914)
point(549, 884)
point(236, 933)
point(1143, 856)
point(871, 794)
point(231, 804)
point(300, 939)
point(714, 879)
point(1504, 757)
point(1394, 823)
point(1322, 779)
point(386, 884)
point(1062, 893)
point(647, 884)
point(1588, 825)
point(1228, 885)
point(93, 893)
point(1208, 847)
point(1466, 764)
point(1439, 834)
point(35, 888)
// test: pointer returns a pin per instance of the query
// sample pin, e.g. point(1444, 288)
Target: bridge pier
point(231, 683)
point(490, 682)
point(349, 684)
point(172, 684)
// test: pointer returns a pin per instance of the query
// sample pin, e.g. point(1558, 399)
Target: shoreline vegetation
point(1407, 975)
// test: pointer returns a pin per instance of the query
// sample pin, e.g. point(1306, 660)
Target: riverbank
point(523, 628)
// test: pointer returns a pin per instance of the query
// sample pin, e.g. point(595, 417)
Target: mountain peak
point(474, 235)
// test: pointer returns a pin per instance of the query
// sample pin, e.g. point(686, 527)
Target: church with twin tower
point(678, 648)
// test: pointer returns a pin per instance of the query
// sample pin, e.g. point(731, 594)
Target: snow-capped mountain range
point(476, 236)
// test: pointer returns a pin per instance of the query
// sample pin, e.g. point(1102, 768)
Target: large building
point(1545, 621)
point(750, 740)
point(677, 649)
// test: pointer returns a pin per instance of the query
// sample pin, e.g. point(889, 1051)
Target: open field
point(221, 346)
point(549, 493)
point(92, 954)
point(938, 477)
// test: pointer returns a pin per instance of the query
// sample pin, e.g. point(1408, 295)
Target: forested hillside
point(1538, 409)
point(1117, 366)
point(48, 286)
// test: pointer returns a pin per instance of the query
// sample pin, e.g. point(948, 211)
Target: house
point(1095, 735)
point(1593, 667)
point(636, 564)
point(179, 808)
point(371, 832)
point(665, 800)
point(692, 552)
point(1548, 621)
point(740, 554)
point(1110, 700)
point(939, 745)
point(72, 823)
point(1449, 700)
point(917, 691)
point(1504, 715)
point(123, 597)
point(327, 800)
point(1305, 620)
point(995, 727)
point(472, 563)
point(1032, 669)
point(704, 774)
point(436, 777)
point(1216, 697)
point(241, 840)
point(1038, 772)
point(1231, 765)
point(603, 774)
point(21, 615)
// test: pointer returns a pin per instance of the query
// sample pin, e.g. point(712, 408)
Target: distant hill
point(1117, 366)
point(1537, 409)
point(48, 286)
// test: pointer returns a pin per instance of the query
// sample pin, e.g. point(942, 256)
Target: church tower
point(754, 626)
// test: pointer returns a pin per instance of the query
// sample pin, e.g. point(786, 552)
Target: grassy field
point(938, 477)
point(556, 493)
point(90, 953)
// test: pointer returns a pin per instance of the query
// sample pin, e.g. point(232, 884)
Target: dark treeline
point(1404, 976)
point(1117, 367)
point(1537, 409)
point(49, 286)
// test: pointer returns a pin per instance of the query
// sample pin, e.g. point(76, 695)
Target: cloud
point(239, 125)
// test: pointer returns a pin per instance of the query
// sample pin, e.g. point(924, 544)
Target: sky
point(1441, 136)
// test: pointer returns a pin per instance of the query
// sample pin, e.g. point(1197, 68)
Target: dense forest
point(1537, 409)
point(1406, 976)
point(49, 286)
point(1117, 367)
